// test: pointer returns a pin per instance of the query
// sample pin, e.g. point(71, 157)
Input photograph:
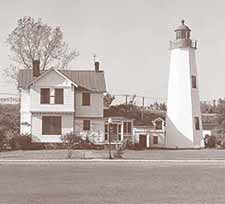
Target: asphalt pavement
point(102, 182)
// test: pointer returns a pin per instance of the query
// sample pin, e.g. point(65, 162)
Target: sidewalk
point(155, 155)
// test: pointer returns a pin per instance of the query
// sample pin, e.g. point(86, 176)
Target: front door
point(113, 133)
point(143, 141)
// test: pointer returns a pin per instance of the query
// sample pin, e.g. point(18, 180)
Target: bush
point(24, 142)
point(210, 141)
point(118, 154)
point(21, 142)
point(36, 146)
point(71, 141)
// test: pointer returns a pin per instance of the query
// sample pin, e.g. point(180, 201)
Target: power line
point(139, 96)
point(9, 94)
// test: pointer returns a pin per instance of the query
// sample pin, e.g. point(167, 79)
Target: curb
point(113, 161)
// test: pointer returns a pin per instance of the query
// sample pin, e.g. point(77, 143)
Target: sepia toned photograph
point(112, 102)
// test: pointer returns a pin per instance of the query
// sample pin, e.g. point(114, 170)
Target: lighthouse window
point(180, 34)
point(194, 82)
point(197, 125)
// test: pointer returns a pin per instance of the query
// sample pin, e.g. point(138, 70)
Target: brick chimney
point(36, 68)
point(97, 66)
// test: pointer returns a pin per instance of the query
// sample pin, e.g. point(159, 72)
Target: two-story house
point(56, 102)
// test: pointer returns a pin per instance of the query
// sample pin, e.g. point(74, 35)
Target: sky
point(130, 38)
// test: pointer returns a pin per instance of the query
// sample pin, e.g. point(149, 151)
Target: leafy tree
point(32, 39)
point(134, 112)
point(108, 99)
point(9, 122)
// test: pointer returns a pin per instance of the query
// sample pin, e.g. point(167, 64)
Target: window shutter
point(45, 95)
point(59, 96)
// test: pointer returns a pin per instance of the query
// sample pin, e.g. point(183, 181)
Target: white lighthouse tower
point(183, 122)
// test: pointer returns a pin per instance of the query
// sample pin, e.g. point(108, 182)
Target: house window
point(119, 132)
point(158, 125)
point(181, 34)
point(127, 127)
point(106, 132)
point(51, 125)
point(155, 139)
point(45, 95)
point(59, 96)
point(86, 99)
point(113, 132)
point(194, 82)
point(86, 124)
point(197, 125)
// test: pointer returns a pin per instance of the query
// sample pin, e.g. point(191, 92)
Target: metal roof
point(90, 80)
point(183, 27)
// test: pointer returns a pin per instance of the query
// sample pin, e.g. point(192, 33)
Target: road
point(129, 182)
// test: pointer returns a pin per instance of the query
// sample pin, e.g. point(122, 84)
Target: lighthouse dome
point(183, 27)
point(183, 31)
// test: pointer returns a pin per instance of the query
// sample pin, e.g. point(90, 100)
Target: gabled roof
point(158, 119)
point(90, 80)
point(45, 73)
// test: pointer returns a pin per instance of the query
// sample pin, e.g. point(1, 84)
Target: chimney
point(36, 68)
point(97, 66)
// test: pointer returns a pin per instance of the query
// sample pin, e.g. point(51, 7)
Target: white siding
point(32, 111)
point(25, 123)
point(96, 133)
point(25, 115)
point(52, 80)
point(94, 110)
point(150, 133)
point(24, 100)
point(67, 127)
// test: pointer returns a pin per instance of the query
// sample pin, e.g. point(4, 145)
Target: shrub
point(118, 154)
point(121, 149)
point(71, 141)
point(210, 141)
point(21, 142)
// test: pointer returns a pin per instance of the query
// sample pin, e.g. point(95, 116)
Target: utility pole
point(126, 99)
point(142, 109)
point(110, 131)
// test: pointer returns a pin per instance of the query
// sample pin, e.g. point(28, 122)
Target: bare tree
point(71, 141)
point(32, 39)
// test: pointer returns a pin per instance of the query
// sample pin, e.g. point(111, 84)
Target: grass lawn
point(207, 154)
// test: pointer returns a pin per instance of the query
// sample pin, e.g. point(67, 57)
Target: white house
point(151, 135)
point(56, 102)
point(119, 129)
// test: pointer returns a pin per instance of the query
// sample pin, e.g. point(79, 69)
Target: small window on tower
point(194, 82)
point(197, 125)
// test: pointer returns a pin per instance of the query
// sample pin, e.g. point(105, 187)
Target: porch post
point(122, 136)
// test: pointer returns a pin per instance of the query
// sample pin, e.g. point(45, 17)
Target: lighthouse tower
point(183, 121)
